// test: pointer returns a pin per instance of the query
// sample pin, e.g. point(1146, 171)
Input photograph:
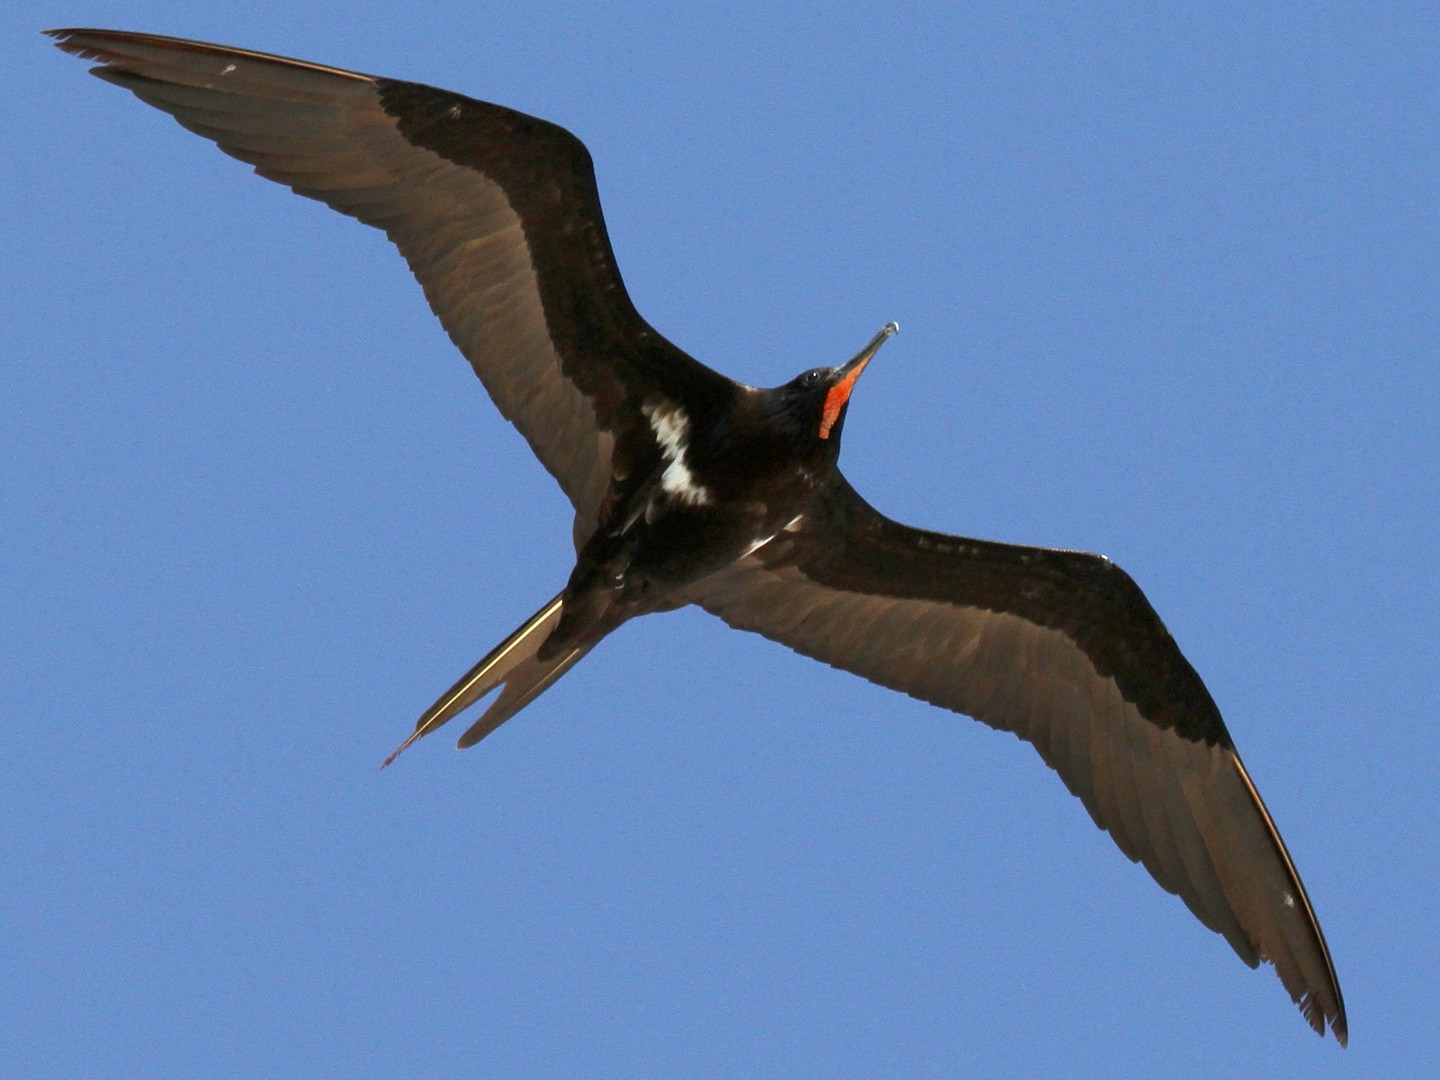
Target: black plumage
point(689, 488)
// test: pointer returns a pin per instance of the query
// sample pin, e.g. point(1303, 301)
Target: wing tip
point(1312, 1007)
point(106, 46)
point(1320, 1001)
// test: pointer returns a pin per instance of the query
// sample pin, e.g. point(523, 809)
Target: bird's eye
point(813, 376)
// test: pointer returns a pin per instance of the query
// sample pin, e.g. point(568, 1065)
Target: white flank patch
point(789, 526)
point(757, 545)
point(672, 429)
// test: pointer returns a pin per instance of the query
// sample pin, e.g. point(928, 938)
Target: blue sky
point(1167, 282)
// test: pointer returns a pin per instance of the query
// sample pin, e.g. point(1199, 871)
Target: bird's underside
point(690, 488)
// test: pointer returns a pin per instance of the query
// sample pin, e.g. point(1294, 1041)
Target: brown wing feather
point(1062, 649)
point(495, 211)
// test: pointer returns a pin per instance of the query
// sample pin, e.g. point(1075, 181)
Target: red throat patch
point(836, 398)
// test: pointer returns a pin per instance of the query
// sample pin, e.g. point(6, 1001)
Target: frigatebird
point(690, 488)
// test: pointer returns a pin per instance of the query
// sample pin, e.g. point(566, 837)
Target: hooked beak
point(839, 393)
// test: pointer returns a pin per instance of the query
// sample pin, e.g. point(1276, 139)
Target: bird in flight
point(690, 488)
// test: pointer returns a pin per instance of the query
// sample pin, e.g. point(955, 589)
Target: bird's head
point(811, 407)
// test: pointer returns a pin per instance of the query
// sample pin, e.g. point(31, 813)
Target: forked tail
point(514, 663)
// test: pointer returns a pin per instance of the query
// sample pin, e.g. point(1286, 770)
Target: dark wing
point(1062, 649)
point(496, 212)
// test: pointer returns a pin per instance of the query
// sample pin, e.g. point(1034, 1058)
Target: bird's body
point(718, 478)
point(690, 488)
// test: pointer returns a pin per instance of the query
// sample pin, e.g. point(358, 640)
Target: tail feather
point(513, 663)
point(522, 686)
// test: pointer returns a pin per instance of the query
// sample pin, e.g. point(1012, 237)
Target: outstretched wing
point(1062, 649)
point(496, 212)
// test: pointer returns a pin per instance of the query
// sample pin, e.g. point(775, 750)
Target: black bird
point(692, 489)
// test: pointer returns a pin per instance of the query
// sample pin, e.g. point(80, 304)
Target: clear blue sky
point(1167, 277)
